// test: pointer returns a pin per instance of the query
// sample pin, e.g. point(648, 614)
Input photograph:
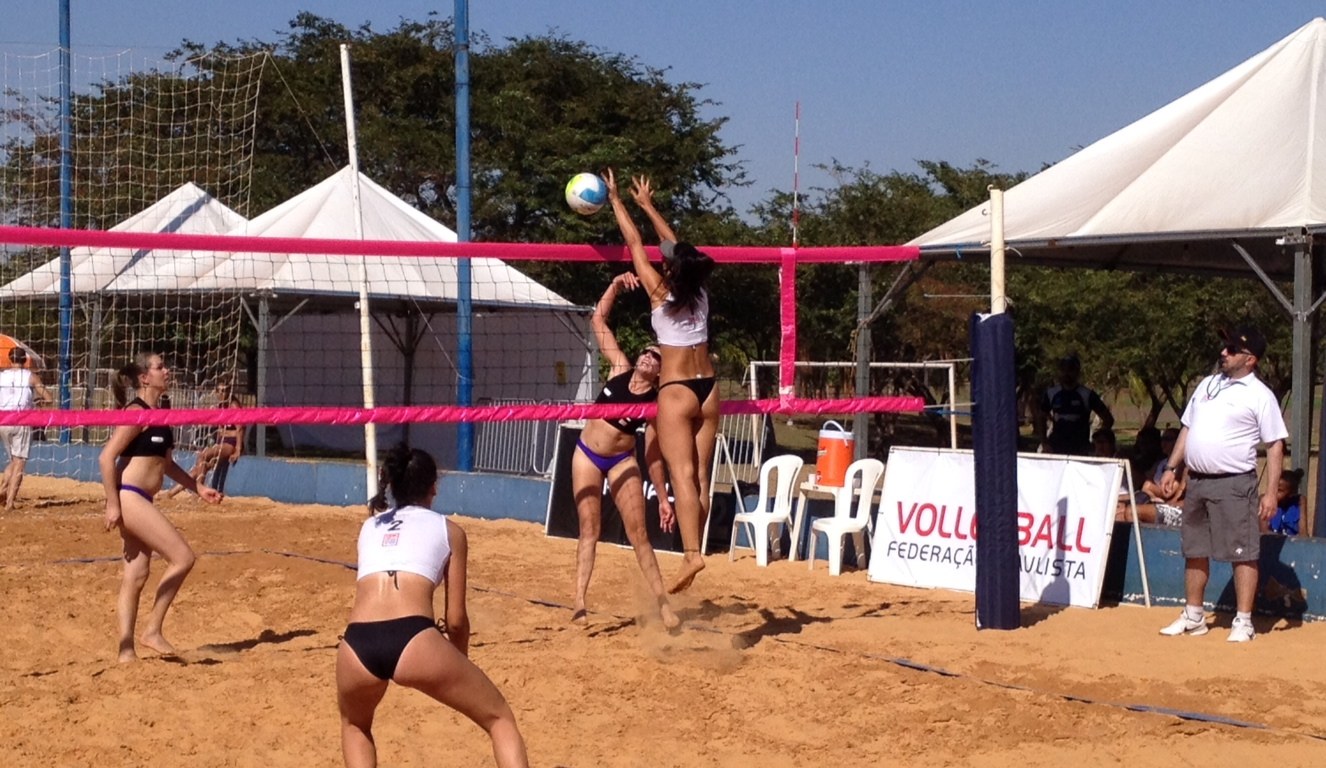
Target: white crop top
point(410, 539)
point(681, 328)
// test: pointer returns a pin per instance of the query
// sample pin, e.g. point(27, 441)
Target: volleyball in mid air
point(586, 193)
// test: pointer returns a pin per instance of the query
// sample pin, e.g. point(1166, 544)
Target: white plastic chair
point(772, 510)
point(851, 514)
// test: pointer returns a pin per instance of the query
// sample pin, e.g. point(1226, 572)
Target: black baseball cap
point(1245, 338)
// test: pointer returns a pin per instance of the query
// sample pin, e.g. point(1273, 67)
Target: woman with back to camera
point(606, 451)
point(134, 463)
point(405, 552)
point(688, 413)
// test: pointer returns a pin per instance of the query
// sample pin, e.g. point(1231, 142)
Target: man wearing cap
point(1229, 415)
point(1066, 409)
point(19, 386)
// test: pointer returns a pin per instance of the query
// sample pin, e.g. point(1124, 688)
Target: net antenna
point(365, 322)
point(796, 176)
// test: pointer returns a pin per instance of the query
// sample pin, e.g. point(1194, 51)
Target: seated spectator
point(1288, 504)
point(1104, 445)
point(1151, 486)
point(1152, 504)
point(1146, 453)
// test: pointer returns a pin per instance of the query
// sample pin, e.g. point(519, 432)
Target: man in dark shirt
point(1066, 408)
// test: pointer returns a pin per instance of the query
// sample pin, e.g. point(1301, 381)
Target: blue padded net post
point(995, 439)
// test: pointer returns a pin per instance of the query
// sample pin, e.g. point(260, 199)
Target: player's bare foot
point(670, 618)
point(580, 616)
point(157, 642)
point(127, 653)
point(691, 565)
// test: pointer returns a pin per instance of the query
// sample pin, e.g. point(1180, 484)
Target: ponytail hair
point(686, 270)
point(409, 473)
point(125, 380)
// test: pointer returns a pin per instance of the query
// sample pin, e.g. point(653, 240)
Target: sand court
point(774, 667)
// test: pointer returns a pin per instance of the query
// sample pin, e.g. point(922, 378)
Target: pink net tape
point(342, 416)
point(46, 236)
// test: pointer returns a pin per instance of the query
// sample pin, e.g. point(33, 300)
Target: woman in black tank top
point(606, 451)
point(133, 465)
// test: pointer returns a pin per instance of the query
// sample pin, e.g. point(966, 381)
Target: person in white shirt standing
point(1229, 415)
point(20, 387)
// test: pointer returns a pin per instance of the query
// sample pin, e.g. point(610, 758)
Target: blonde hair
point(126, 379)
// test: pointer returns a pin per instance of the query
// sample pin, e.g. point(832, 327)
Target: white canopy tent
point(1229, 179)
point(186, 210)
point(528, 342)
point(97, 274)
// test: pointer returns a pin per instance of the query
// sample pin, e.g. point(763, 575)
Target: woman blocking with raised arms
point(606, 452)
point(688, 413)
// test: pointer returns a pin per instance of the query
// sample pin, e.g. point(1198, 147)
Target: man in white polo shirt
point(1229, 415)
point(19, 387)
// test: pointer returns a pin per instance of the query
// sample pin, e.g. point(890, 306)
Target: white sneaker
point(1186, 626)
point(1241, 631)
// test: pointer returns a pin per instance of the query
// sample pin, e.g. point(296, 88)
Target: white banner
point(925, 534)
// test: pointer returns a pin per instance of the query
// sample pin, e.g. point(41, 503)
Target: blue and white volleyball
point(586, 193)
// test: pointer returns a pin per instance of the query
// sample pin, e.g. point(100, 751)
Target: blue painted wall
point(1291, 573)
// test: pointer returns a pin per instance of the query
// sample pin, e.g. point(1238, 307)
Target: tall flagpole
point(365, 325)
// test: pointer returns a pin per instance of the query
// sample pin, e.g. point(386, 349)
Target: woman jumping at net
point(405, 552)
point(606, 450)
point(688, 414)
point(222, 453)
point(134, 463)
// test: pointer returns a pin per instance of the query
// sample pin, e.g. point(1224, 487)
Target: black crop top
point(618, 391)
point(152, 441)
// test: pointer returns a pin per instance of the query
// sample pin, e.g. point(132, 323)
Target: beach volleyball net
point(423, 340)
point(146, 145)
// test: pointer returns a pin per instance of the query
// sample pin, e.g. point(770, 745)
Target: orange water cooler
point(833, 454)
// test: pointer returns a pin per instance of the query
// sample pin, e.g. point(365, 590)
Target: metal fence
point(517, 447)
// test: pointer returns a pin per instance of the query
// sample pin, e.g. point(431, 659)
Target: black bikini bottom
point(700, 387)
point(379, 644)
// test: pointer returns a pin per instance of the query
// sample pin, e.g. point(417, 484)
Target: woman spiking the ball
point(405, 552)
point(133, 466)
point(687, 393)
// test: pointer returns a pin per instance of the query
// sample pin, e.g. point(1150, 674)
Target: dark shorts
point(1220, 518)
point(379, 644)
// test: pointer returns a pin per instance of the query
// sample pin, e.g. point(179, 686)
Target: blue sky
point(881, 82)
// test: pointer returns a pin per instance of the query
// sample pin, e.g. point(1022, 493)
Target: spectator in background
point(1104, 444)
point(20, 387)
point(1147, 456)
point(1288, 504)
point(1063, 420)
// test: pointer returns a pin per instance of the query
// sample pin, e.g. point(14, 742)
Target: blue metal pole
point(66, 217)
point(464, 309)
